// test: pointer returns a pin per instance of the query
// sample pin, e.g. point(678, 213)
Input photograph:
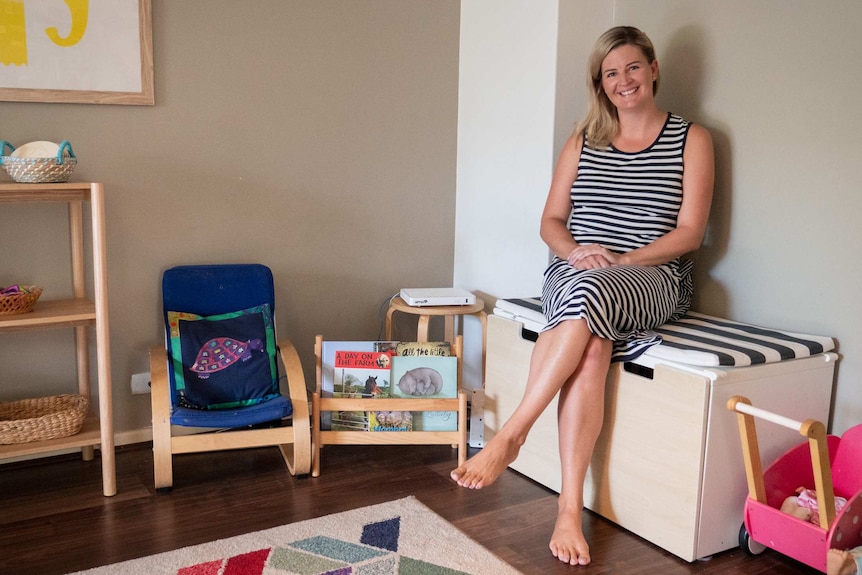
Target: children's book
point(390, 420)
point(416, 348)
point(427, 376)
point(362, 374)
point(327, 369)
point(356, 355)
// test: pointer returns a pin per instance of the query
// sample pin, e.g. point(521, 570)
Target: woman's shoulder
point(676, 119)
point(575, 143)
point(692, 130)
point(675, 123)
point(698, 144)
point(699, 135)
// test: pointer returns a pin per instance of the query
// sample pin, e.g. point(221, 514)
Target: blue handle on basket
point(3, 145)
point(64, 145)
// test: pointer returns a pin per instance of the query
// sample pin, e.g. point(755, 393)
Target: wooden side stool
point(448, 312)
point(425, 313)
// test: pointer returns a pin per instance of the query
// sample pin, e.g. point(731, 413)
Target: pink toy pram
point(806, 465)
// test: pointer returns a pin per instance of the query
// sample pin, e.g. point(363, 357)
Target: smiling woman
point(628, 79)
point(630, 195)
point(616, 51)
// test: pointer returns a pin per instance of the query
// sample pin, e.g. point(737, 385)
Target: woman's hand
point(592, 256)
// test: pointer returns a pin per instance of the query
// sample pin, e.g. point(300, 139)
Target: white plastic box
point(668, 463)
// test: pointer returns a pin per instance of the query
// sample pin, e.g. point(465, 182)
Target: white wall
point(507, 69)
point(776, 83)
point(505, 143)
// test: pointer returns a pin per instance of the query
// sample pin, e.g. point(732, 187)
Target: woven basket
point(42, 418)
point(40, 170)
point(20, 302)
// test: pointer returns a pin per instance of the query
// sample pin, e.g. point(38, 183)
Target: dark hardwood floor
point(54, 520)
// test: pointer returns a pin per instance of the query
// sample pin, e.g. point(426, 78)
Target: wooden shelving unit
point(79, 313)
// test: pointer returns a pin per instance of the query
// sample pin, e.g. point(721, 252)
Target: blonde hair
point(601, 123)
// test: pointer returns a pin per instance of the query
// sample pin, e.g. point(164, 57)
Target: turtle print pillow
point(223, 361)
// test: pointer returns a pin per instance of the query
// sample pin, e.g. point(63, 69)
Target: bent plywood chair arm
point(160, 401)
point(297, 456)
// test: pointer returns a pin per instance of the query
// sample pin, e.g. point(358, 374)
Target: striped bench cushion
point(699, 339)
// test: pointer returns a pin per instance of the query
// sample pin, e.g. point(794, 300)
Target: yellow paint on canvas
point(80, 11)
point(13, 33)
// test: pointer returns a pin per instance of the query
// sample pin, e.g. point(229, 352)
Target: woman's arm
point(554, 228)
point(697, 182)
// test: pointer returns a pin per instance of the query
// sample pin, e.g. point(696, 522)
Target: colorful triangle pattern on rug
point(327, 556)
point(401, 537)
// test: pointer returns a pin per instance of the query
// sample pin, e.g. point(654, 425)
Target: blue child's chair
point(219, 370)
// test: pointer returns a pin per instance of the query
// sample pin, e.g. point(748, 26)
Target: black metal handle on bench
point(637, 369)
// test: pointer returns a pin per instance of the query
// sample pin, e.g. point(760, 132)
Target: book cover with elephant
point(427, 377)
point(359, 374)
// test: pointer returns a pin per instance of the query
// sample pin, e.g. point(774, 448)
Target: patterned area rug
point(402, 537)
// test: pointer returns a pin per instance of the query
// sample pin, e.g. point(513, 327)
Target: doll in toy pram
point(807, 464)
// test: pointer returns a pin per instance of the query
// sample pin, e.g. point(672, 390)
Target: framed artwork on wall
point(76, 51)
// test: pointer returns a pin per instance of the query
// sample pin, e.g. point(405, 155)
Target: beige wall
point(315, 136)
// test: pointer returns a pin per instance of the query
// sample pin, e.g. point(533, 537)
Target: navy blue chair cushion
point(272, 410)
point(221, 345)
point(223, 361)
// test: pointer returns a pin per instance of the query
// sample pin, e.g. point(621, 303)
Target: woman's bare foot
point(567, 542)
point(840, 562)
point(485, 467)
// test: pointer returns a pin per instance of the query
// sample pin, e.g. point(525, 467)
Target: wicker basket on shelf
point(42, 418)
point(41, 170)
point(20, 301)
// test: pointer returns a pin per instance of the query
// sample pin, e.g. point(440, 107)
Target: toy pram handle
point(812, 429)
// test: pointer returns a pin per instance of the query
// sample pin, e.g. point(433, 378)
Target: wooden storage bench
point(668, 464)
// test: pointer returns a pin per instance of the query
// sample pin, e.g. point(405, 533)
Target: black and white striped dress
point(624, 201)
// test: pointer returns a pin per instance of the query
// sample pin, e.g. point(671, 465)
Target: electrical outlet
point(140, 383)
